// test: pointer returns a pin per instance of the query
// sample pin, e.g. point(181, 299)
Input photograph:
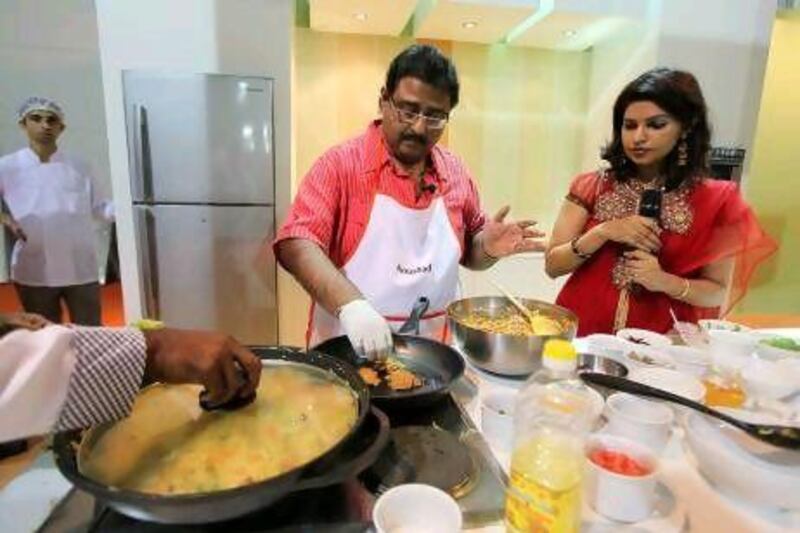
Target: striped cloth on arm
point(107, 375)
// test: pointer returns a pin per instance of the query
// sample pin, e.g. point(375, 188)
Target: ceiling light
point(569, 33)
point(360, 15)
point(469, 24)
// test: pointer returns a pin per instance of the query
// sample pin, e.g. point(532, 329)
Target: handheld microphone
point(650, 203)
point(649, 206)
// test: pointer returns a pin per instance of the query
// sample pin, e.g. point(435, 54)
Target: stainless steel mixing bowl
point(509, 355)
point(588, 362)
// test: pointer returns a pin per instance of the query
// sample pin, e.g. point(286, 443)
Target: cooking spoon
point(529, 316)
point(781, 436)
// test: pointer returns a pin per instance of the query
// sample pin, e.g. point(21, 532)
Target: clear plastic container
point(554, 412)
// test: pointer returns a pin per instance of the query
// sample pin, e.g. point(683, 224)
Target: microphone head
point(650, 203)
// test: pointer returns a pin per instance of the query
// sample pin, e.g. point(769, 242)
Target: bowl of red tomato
point(621, 476)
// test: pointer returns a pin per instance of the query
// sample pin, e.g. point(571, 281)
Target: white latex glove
point(368, 331)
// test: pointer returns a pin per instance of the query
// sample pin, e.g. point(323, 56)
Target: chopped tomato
point(618, 462)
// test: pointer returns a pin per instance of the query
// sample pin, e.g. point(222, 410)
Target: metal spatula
point(526, 313)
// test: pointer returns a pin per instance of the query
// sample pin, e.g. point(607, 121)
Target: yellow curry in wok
point(169, 445)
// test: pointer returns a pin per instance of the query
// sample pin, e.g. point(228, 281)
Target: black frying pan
point(437, 364)
point(357, 451)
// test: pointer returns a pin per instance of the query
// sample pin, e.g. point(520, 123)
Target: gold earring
point(683, 152)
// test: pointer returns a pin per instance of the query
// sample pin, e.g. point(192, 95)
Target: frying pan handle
point(412, 324)
point(350, 469)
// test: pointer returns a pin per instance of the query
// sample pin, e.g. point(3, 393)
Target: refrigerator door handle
point(143, 163)
point(148, 261)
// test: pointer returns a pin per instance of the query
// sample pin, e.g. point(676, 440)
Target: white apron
point(404, 254)
point(53, 204)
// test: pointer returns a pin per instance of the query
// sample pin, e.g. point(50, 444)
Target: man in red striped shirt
point(386, 218)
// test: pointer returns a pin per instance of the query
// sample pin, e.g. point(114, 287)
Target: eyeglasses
point(406, 116)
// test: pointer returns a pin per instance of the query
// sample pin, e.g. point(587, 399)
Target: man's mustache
point(414, 138)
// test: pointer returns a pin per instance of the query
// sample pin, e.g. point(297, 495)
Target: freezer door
point(207, 267)
point(199, 138)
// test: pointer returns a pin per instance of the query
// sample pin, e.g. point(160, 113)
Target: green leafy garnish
point(784, 343)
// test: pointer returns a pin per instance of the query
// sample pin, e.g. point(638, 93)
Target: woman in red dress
point(695, 259)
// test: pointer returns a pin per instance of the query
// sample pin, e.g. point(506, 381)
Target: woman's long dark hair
point(678, 93)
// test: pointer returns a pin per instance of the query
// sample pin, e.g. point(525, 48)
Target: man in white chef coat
point(52, 209)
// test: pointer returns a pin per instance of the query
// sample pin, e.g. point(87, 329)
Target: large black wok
point(353, 454)
point(437, 364)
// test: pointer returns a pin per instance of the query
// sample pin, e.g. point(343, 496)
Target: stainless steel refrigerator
point(201, 162)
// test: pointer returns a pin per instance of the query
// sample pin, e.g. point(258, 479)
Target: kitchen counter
point(687, 502)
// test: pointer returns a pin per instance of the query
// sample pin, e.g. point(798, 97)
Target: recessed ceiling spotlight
point(469, 24)
point(569, 33)
point(360, 15)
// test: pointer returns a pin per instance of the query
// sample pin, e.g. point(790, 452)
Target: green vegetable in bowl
point(784, 343)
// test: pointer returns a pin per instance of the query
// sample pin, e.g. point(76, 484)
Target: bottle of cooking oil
point(554, 412)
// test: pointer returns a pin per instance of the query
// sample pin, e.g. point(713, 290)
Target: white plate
point(643, 337)
point(646, 357)
point(756, 472)
point(607, 345)
point(671, 381)
point(711, 324)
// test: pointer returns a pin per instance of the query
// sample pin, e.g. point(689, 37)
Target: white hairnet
point(38, 103)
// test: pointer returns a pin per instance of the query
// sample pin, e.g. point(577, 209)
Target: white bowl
point(768, 380)
point(730, 350)
point(644, 421)
point(671, 381)
point(711, 324)
point(643, 337)
point(416, 508)
point(765, 479)
point(773, 353)
point(617, 496)
point(732, 342)
point(694, 361)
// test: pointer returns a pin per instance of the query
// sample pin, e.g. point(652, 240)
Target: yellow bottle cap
point(560, 349)
point(147, 324)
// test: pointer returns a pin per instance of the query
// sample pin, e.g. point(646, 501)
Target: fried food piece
point(392, 372)
point(402, 379)
point(369, 375)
